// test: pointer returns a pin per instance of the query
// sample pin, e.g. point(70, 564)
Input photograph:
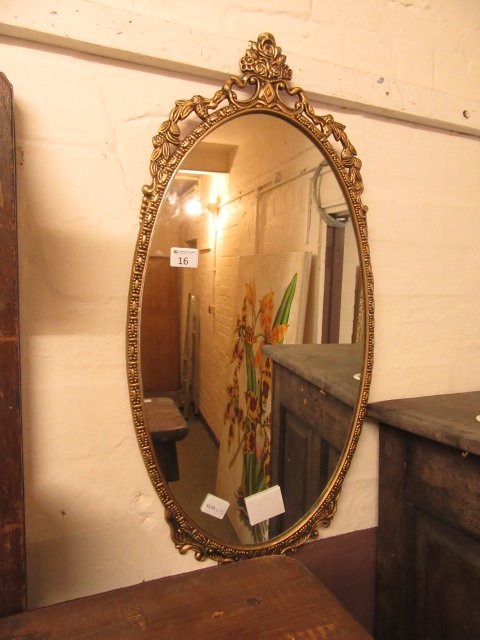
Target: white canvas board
point(264, 282)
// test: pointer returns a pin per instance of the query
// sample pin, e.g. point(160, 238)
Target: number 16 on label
point(183, 257)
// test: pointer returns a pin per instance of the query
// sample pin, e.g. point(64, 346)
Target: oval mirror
point(251, 307)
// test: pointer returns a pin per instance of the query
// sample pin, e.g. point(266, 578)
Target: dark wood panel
point(309, 431)
point(337, 422)
point(312, 405)
point(300, 478)
point(329, 459)
point(270, 597)
point(428, 561)
point(332, 297)
point(444, 482)
point(160, 328)
point(345, 564)
point(12, 543)
point(391, 536)
point(297, 396)
point(447, 579)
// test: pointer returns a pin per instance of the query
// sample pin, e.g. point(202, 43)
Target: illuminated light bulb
point(193, 207)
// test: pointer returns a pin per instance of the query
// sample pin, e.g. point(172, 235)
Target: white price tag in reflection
point(214, 506)
point(264, 505)
point(184, 257)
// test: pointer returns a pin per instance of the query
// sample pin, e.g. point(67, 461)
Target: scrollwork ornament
point(267, 77)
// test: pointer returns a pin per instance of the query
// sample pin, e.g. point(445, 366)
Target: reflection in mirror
point(278, 263)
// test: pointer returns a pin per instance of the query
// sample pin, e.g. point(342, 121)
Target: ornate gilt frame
point(264, 68)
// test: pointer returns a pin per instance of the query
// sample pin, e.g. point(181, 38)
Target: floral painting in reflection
point(270, 305)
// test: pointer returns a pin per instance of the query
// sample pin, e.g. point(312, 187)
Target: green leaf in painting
point(284, 308)
point(251, 377)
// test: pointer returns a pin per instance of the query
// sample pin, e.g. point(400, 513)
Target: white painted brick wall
point(273, 151)
point(84, 125)
point(426, 42)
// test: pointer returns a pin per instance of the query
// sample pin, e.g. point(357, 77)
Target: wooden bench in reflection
point(167, 426)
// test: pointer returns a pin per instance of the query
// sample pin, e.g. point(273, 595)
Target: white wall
point(84, 126)
point(269, 147)
point(279, 160)
point(431, 43)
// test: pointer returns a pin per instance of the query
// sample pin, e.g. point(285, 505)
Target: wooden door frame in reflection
point(332, 292)
point(166, 342)
point(267, 79)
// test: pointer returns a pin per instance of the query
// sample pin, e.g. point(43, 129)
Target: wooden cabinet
point(428, 563)
point(314, 393)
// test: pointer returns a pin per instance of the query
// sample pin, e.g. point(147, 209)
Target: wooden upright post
point(12, 537)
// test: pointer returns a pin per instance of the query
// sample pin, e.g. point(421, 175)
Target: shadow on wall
point(81, 459)
point(76, 240)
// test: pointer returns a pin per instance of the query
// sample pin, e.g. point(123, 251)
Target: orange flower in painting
point(250, 336)
point(241, 419)
point(232, 389)
point(231, 410)
point(266, 381)
point(251, 294)
point(258, 356)
point(277, 334)
point(266, 452)
point(253, 407)
point(242, 320)
point(240, 329)
point(273, 337)
point(260, 437)
point(249, 424)
point(231, 434)
point(228, 415)
point(249, 444)
point(266, 312)
point(237, 353)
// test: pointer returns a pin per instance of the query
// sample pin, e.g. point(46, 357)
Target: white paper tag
point(184, 257)
point(147, 399)
point(214, 506)
point(264, 505)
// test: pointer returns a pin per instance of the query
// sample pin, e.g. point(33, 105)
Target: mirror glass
point(267, 269)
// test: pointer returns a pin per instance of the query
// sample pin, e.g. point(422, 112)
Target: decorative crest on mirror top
point(265, 70)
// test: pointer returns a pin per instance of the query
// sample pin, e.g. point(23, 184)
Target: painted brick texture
point(84, 125)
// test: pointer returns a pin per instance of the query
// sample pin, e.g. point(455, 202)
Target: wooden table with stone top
point(272, 597)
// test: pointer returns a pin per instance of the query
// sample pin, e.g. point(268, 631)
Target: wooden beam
point(12, 538)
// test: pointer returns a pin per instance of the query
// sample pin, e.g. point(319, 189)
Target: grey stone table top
point(330, 367)
point(449, 418)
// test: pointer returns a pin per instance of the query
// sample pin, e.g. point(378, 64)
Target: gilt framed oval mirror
point(252, 257)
